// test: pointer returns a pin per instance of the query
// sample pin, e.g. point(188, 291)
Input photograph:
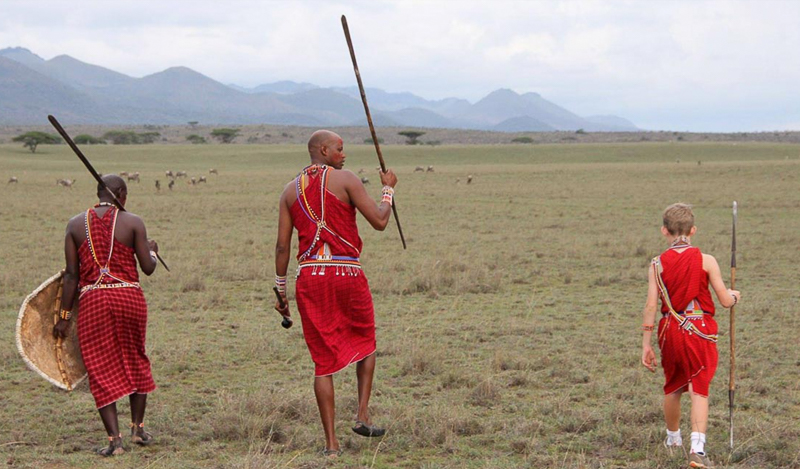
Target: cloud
point(698, 64)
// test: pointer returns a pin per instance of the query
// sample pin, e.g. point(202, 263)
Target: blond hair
point(679, 219)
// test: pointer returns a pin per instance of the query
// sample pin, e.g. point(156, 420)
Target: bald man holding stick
point(332, 292)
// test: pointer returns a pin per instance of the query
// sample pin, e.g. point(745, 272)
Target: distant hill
point(523, 124)
point(27, 97)
point(31, 87)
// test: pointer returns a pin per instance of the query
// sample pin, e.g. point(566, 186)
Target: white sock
point(698, 442)
point(674, 438)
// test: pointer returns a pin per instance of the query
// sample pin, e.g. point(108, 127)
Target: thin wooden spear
point(91, 169)
point(369, 119)
point(731, 380)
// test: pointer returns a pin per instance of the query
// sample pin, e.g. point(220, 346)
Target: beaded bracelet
point(647, 328)
point(280, 283)
point(387, 194)
point(735, 300)
point(65, 315)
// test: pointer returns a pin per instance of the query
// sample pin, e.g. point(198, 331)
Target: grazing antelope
point(134, 177)
point(364, 180)
point(469, 179)
point(213, 171)
point(430, 169)
point(361, 171)
point(202, 179)
point(419, 169)
point(122, 174)
point(181, 174)
point(158, 185)
point(66, 182)
point(458, 180)
point(169, 174)
point(193, 181)
point(13, 179)
point(171, 183)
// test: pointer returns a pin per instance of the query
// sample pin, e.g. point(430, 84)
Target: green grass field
point(508, 332)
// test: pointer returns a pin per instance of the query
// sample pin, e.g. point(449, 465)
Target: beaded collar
point(681, 242)
point(104, 204)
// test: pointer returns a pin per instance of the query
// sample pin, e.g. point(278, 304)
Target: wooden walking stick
point(731, 381)
point(287, 322)
point(89, 166)
point(369, 119)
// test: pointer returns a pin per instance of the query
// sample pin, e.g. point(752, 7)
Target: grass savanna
point(508, 332)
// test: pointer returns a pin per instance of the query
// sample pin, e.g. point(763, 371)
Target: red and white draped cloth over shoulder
point(112, 318)
point(332, 292)
point(687, 338)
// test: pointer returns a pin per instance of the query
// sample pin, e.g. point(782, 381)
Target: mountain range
point(81, 93)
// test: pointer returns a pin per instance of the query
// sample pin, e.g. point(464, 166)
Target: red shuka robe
point(112, 322)
point(332, 292)
point(687, 358)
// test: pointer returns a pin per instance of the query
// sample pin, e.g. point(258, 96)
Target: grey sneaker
point(700, 460)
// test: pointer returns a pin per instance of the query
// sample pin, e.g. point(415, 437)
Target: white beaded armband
point(387, 194)
point(280, 283)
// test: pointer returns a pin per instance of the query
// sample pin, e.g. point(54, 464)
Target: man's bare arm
point(71, 279)
point(282, 247)
point(284, 242)
point(376, 214)
point(724, 295)
point(142, 246)
point(649, 319)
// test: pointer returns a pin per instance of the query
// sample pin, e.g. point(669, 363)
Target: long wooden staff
point(369, 119)
point(731, 381)
point(89, 166)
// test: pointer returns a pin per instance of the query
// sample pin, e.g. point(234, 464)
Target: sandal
point(142, 439)
point(331, 453)
point(114, 447)
point(368, 430)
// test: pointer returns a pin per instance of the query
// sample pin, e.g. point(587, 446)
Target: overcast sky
point(672, 65)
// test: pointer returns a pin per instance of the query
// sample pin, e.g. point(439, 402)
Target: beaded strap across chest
point(322, 257)
point(104, 268)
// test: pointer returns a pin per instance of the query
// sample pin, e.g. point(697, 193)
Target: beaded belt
point(689, 313)
point(89, 288)
point(342, 265)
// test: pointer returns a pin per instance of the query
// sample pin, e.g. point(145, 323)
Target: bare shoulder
point(343, 174)
point(344, 177)
point(709, 262)
point(77, 220)
point(130, 218)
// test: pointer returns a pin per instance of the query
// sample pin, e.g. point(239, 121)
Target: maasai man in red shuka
point(101, 269)
point(332, 292)
point(687, 332)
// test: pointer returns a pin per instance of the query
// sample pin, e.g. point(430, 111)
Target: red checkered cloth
point(338, 319)
point(336, 310)
point(687, 358)
point(112, 322)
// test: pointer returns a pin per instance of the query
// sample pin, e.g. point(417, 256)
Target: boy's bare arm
point(724, 295)
point(648, 321)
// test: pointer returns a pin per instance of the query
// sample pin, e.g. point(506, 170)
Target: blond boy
point(687, 332)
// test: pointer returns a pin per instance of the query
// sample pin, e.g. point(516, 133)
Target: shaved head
point(321, 138)
point(115, 183)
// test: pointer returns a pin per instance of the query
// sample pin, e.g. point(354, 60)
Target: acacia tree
point(411, 136)
point(225, 135)
point(33, 139)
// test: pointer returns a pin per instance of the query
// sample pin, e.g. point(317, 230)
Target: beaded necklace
point(681, 242)
point(104, 204)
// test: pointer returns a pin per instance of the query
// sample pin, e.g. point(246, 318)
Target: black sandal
point(143, 439)
point(368, 430)
point(331, 453)
point(114, 447)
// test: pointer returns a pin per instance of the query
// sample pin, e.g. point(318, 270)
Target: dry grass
point(508, 332)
